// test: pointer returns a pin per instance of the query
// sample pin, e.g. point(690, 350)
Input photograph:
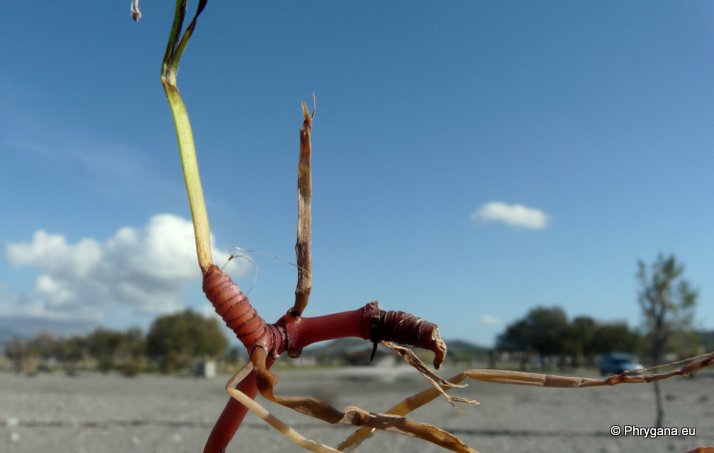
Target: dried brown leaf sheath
point(304, 229)
point(405, 328)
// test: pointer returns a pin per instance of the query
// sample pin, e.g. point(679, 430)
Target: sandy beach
point(109, 413)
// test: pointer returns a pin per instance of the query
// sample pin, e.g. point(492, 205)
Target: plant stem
point(192, 178)
point(187, 148)
point(231, 418)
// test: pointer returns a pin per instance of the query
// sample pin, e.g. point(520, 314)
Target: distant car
point(618, 363)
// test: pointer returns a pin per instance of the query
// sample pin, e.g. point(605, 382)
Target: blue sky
point(471, 159)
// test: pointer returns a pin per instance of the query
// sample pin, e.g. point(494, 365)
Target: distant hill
point(460, 350)
point(335, 347)
point(25, 327)
point(344, 351)
point(336, 350)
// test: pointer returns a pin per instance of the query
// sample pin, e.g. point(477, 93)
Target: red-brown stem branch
point(292, 333)
point(303, 332)
point(300, 332)
point(231, 418)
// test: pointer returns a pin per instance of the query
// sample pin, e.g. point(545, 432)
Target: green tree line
point(549, 336)
point(667, 302)
point(173, 342)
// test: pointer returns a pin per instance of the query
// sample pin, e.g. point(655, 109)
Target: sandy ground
point(109, 413)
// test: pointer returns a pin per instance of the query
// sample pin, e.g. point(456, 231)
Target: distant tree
point(233, 355)
point(579, 337)
point(615, 337)
point(131, 350)
point(516, 337)
point(547, 332)
point(16, 351)
point(667, 301)
point(103, 346)
point(705, 339)
point(44, 346)
point(176, 340)
point(542, 330)
point(71, 351)
point(132, 345)
point(115, 349)
point(686, 343)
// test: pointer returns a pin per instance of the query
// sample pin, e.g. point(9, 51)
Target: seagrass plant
point(266, 342)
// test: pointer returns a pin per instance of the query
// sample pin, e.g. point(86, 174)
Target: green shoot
point(187, 148)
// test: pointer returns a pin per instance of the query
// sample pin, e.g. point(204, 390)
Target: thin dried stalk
point(402, 408)
point(424, 397)
point(304, 229)
point(353, 415)
point(545, 380)
point(269, 418)
point(438, 382)
point(135, 11)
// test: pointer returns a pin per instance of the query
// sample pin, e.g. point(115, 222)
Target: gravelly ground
point(98, 413)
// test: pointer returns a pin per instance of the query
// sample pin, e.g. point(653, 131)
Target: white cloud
point(515, 215)
point(52, 253)
point(489, 320)
point(142, 269)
